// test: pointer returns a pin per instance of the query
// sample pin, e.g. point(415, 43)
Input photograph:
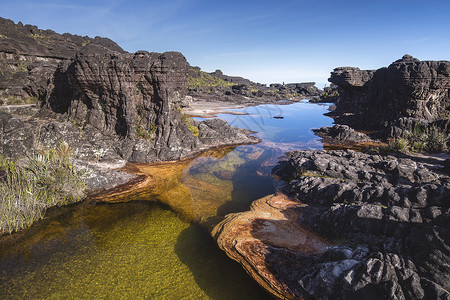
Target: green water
point(127, 250)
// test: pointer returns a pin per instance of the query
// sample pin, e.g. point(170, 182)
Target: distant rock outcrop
point(408, 88)
point(219, 87)
point(342, 133)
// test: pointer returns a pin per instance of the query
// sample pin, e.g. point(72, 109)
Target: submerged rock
point(270, 244)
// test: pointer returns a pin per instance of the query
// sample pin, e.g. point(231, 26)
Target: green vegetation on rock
point(189, 122)
point(326, 97)
point(206, 80)
point(27, 190)
point(420, 140)
point(147, 134)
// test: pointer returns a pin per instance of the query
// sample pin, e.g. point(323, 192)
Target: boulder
point(341, 134)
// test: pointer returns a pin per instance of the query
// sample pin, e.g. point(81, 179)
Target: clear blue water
point(287, 124)
point(142, 250)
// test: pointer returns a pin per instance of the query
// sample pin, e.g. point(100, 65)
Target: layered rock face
point(29, 56)
point(408, 88)
point(390, 216)
point(111, 106)
point(131, 98)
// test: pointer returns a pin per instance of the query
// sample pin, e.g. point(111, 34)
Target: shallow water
point(284, 125)
point(131, 250)
point(143, 249)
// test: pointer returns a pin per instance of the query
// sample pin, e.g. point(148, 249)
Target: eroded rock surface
point(391, 218)
point(407, 88)
point(393, 101)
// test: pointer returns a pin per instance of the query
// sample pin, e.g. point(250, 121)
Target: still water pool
point(144, 243)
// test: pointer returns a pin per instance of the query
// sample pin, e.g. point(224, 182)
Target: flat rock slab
point(269, 243)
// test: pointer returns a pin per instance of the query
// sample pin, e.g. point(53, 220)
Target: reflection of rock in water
point(214, 184)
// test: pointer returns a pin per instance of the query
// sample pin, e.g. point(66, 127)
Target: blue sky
point(265, 41)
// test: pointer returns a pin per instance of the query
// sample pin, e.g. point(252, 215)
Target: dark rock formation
point(408, 88)
point(132, 100)
point(111, 106)
point(390, 214)
point(29, 56)
point(304, 89)
point(341, 134)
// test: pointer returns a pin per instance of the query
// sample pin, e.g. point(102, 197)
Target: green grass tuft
point(420, 140)
point(46, 180)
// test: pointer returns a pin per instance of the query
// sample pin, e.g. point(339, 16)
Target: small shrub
point(32, 100)
point(147, 134)
point(437, 141)
point(420, 139)
point(194, 129)
point(398, 144)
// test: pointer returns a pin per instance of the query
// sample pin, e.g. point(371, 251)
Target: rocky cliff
point(408, 88)
point(29, 56)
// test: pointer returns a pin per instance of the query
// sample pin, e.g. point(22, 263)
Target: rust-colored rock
point(269, 243)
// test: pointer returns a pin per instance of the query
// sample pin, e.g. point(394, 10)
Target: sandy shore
point(210, 109)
